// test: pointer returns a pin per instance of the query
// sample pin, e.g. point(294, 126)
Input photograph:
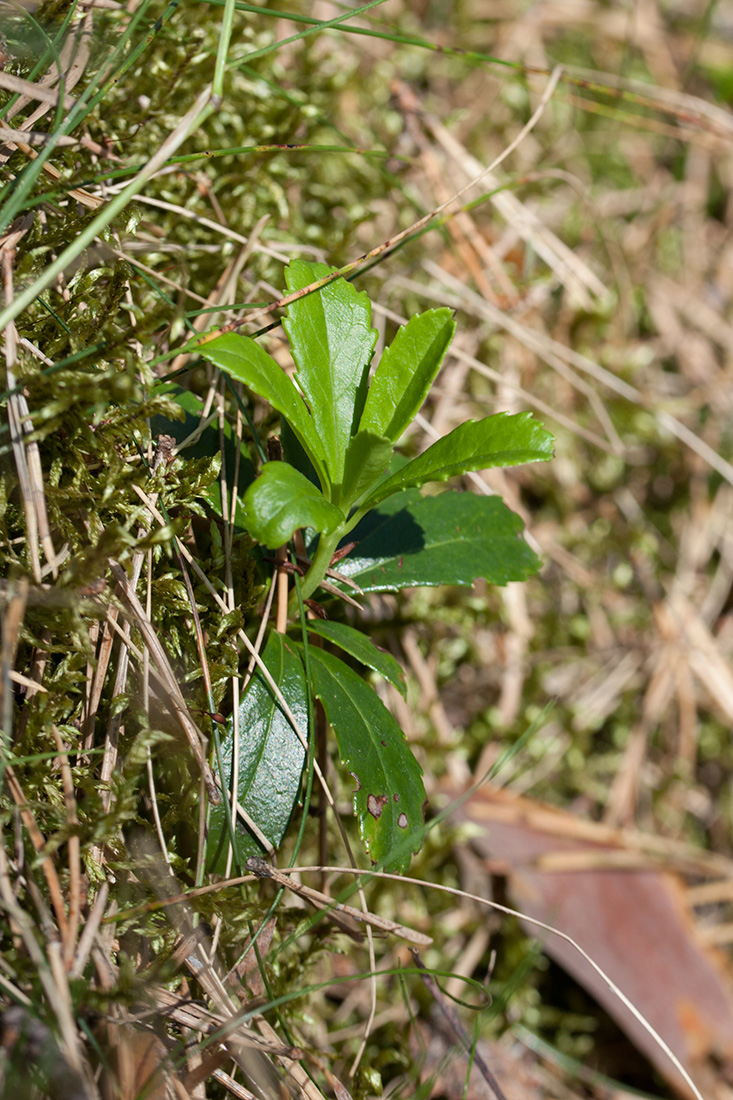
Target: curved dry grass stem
point(53, 978)
point(254, 654)
point(160, 658)
point(455, 892)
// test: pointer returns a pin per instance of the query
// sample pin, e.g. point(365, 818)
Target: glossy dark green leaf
point(452, 538)
point(389, 795)
point(332, 342)
point(281, 501)
point(271, 758)
point(243, 359)
point(500, 440)
point(361, 647)
point(406, 372)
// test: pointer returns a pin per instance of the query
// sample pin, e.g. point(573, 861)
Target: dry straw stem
point(205, 968)
point(16, 84)
point(25, 452)
point(11, 621)
point(582, 284)
point(51, 974)
point(72, 63)
point(74, 853)
point(252, 1044)
point(455, 293)
point(39, 842)
point(194, 735)
point(336, 910)
point(65, 73)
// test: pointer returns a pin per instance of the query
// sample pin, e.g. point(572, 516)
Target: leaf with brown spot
point(373, 748)
point(375, 804)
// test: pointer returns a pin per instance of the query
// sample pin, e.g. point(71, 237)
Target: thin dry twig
point(389, 245)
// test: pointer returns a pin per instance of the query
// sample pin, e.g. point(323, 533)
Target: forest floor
point(590, 268)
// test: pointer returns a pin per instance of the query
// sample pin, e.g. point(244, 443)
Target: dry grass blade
point(225, 292)
point(390, 244)
point(11, 618)
point(205, 969)
point(209, 1023)
point(111, 741)
point(67, 1062)
point(554, 353)
point(70, 940)
point(91, 202)
point(174, 696)
point(27, 455)
point(72, 63)
point(90, 932)
point(38, 841)
point(11, 83)
point(582, 283)
point(32, 137)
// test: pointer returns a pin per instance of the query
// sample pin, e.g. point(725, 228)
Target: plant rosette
point(342, 481)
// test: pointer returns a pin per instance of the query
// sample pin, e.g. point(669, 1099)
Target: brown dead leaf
point(632, 919)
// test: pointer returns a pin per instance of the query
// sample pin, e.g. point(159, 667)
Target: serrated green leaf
point(367, 458)
point(332, 342)
point(389, 795)
point(500, 440)
point(406, 372)
point(243, 359)
point(270, 758)
point(361, 647)
point(452, 538)
point(282, 500)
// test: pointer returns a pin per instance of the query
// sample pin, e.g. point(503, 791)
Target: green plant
point(342, 484)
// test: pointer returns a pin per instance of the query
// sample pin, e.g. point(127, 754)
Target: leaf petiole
point(321, 563)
